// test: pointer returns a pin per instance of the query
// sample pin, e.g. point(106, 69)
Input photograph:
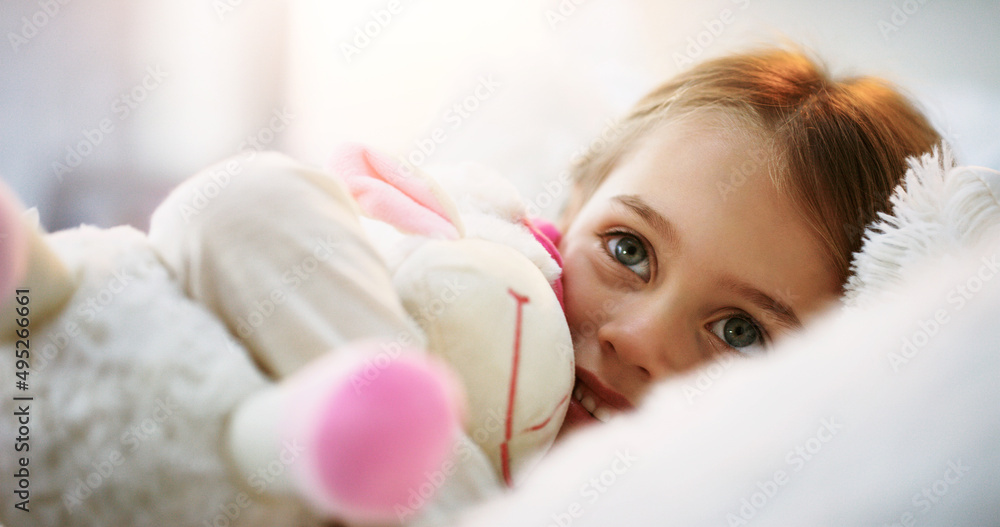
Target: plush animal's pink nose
point(384, 436)
point(13, 243)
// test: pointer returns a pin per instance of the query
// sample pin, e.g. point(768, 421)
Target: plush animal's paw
point(377, 440)
point(359, 431)
point(13, 246)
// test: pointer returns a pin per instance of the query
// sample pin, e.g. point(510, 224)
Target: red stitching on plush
point(504, 453)
point(541, 425)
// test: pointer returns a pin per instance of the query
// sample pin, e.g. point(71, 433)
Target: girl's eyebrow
point(652, 218)
point(778, 312)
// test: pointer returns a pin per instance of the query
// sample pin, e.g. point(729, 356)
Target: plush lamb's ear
point(388, 191)
point(13, 242)
point(26, 261)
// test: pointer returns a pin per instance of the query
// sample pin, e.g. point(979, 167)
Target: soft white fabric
point(275, 249)
point(467, 480)
point(136, 378)
point(939, 208)
point(132, 387)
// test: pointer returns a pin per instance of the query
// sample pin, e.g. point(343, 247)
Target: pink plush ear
point(548, 236)
point(386, 191)
point(13, 242)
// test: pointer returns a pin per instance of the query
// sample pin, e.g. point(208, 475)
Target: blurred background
point(107, 104)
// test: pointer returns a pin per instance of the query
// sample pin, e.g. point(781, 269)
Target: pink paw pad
point(383, 434)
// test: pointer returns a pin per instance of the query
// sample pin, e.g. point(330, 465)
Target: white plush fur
point(890, 434)
point(938, 209)
point(154, 408)
point(134, 384)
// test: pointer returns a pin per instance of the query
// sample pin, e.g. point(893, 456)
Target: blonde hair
point(837, 147)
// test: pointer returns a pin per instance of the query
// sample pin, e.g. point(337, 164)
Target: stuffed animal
point(880, 413)
point(255, 360)
point(939, 210)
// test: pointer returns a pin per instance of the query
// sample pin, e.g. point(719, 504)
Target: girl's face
point(686, 251)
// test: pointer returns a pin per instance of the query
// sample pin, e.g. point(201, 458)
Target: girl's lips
point(592, 402)
point(605, 395)
point(576, 415)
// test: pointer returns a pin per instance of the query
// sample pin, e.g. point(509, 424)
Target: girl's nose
point(653, 337)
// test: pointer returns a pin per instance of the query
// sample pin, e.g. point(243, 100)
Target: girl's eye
point(630, 252)
point(740, 333)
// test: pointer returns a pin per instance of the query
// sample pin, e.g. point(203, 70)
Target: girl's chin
point(576, 417)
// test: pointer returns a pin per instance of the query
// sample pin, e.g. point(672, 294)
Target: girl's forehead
point(696, 154)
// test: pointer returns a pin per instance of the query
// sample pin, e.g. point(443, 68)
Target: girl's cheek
point(575, 293)
point(587, 310)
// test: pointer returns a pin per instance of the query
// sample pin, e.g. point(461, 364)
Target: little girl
point(723, 216)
